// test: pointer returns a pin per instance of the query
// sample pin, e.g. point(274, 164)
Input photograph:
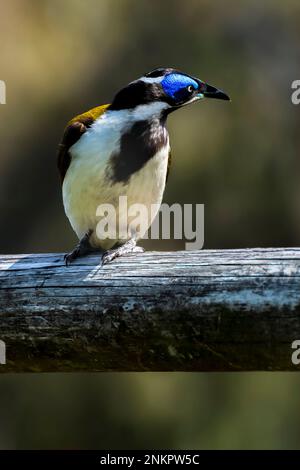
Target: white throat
point(147, 111)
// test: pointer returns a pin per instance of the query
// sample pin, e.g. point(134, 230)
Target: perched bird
point(122, 149)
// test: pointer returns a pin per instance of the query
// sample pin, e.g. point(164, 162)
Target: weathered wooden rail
point(211, 310)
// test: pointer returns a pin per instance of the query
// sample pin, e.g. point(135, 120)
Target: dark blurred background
point(60, 58)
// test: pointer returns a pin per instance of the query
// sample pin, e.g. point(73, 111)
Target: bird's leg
point(81, 249)
point(128, 247)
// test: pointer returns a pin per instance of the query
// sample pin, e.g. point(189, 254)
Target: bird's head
point(165, 89)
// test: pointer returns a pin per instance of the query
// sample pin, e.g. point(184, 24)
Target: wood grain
point(210, 310)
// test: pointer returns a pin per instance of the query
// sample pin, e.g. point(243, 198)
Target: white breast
point(85, 185)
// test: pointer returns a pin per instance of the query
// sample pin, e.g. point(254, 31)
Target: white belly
point(86, 187)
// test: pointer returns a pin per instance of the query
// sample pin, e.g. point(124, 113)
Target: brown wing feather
point(71, 135)
point(169, 165)
point(74, 130)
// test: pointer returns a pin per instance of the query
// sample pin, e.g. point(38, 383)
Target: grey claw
point(138, 249)
point(108, 257)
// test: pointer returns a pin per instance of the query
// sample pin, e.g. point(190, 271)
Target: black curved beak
point(210, 91)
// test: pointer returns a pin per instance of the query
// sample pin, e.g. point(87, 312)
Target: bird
point(122, 149)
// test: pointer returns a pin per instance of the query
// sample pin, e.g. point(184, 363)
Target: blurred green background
point(59, 58)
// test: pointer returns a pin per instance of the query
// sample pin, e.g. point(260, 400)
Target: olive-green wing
point(74, 130)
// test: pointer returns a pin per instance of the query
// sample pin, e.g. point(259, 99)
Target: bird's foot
point(81, 249)
point(128, 247)
point(69, 257)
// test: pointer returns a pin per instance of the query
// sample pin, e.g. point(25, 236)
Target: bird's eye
point(190, 88)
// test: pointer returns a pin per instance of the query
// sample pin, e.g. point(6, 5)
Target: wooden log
point(210, 310)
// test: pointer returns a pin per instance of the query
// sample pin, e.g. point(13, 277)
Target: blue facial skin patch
point(174, 84)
